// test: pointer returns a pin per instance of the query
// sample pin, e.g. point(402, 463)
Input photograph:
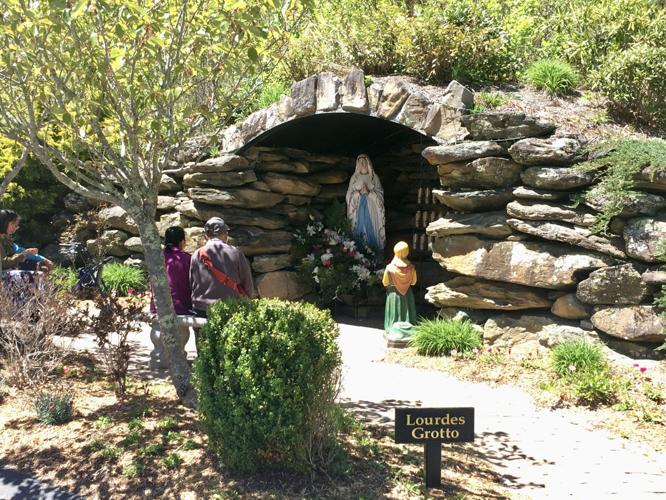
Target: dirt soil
point(96, 454)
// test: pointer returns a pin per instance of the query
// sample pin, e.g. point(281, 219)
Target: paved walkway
point(539, 453)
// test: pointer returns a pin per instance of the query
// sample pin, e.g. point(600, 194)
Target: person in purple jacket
point(177, 263)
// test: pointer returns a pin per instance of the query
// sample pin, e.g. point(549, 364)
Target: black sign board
point(432, 427)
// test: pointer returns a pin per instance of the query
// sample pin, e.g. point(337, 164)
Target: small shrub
point(151, 449)
point(132, 438)
point(594, 386)
point(654, 392)
point(121, 278)
point(172, 461)
point(132, 469)
point(103, 421)
point(438, 337)
point(190, 445)
point(109, 452)
point(54, 408)
point(267, 376)
point(577, 356)
point(171, 437)
point(64, 278)
point(167, 424)
point(554, 76)
point(136, 424)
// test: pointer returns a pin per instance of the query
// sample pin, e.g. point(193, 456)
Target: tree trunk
point(154, 259)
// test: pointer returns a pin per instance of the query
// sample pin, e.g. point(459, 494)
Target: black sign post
point(432, 427)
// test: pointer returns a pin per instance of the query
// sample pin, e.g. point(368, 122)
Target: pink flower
point(475, 351)
point(51, 405)
point(490, 349)
point(643, 369)
point(130, 291)
point(636, 365)
point(65, 370)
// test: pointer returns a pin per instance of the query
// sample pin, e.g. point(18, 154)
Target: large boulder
point(232, 216)
point(168, 184)
point(489, 224)
point(415, 110)
point(457, 96)
point(134, 244)
point(651, 179)
point(224, 163)
point(328, 84)
point(525, 334)
point(285, 184)
point(569, 307)
point(194, 238)
point(474, 201)
point(354, 96)
point(613, 285)
point(636, 323)
point(563, 178)
point(643, 237)
point(256, 241)
point(394, 95)
point(117, 218)
point(288, 166)
point(544, 265)
point(111, 242)
point(468, 150)
point(220, 179)
point(473, 293)
point(537, 210)
point(481, 173)
point(166, 203)
point(577, 236)
point(551, 151)
point(172, 219)
point(304, 96)
point(505, 125)
point(329, 176)
point(282, 285)
point(269, 263)
point(239, 197)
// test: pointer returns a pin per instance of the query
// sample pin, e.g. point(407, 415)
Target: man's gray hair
point(215, 226)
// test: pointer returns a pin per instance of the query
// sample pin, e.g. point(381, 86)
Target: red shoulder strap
point(219, 275)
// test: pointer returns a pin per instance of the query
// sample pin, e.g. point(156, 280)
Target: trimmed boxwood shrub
point(266, 375)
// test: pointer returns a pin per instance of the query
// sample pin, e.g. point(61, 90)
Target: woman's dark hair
point(173, 236)
point(6, 216)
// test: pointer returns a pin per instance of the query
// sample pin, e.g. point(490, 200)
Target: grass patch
point(122, 278)
point(577, 356)
point(442, 337)
point(552, 75)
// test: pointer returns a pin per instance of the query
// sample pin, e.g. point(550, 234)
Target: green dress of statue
point(400, 311)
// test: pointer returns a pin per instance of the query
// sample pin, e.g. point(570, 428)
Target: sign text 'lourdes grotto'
point(432, 427)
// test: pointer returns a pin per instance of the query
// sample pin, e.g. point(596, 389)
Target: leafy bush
point(577, 356)
point(594, 386)
point(553, 76)
point(121, 278)
point(267, 375)
point(635, 82)
point(615, 167)
point(438, 337)
point(63, 278)
point(53, 407)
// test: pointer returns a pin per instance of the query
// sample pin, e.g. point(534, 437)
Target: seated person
point(218, 270)
point(177, 263)
point(13, 255)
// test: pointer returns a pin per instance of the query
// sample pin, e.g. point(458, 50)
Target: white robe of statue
point(365, 205)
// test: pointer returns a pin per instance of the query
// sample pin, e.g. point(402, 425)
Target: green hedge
point(266, 375)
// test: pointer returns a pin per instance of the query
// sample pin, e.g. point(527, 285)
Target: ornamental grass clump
point(439, 337)
point(267, 375)
point(122, 278)
point(577, 356)
point(53, 408)
point(554, 76)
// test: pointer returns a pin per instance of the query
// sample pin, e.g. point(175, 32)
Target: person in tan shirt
point(218, 270)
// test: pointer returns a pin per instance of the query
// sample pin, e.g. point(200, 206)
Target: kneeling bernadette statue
point(400, 311)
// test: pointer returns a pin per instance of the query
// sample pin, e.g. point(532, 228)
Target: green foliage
point(64, 278)
point(439, 337)
point(122, 278)
point(594, 386)
point(487, 101)
point(132, 469)
point(635, 82)
point(577, 356)
point(110, 452)
point(132, 438)
point(267, 375)
point(103, 421)
point(151, 449)
point(167, 424)
point(554, 76)
point(615, 167)
point(53, 407)
point(172, 461)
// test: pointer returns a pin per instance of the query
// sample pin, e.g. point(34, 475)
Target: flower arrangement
point(335, 264)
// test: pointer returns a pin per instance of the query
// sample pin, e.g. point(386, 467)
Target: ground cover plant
point(554, 76)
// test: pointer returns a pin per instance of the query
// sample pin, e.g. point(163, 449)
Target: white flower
point(349, 245)
point(326, 257)
point(453, 352)
point(311, 230)
point(362, 272)
point(315, 274)
point(572, 368)
point(310, 258)
point(380, 272)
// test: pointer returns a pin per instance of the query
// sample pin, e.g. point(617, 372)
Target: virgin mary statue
point(365, 205)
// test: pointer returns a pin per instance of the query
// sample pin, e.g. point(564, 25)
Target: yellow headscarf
point(400, 273)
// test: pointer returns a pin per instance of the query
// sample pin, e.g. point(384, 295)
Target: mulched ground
point(113, 449)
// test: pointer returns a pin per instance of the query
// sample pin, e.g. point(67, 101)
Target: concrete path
point(539, 453)
point(17, 486)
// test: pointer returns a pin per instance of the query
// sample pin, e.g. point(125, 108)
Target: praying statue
point(400, 311)
point(365, 205)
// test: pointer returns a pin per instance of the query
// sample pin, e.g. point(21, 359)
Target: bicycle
point(89, 275)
